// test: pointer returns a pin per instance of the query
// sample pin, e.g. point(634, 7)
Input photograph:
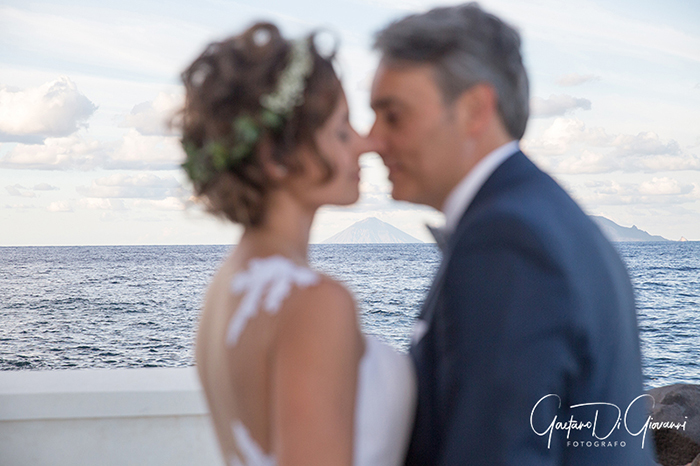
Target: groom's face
point(416, 133)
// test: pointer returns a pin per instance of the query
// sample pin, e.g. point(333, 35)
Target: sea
point(73, 307)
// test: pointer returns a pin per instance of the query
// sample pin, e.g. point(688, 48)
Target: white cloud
point(556, 105)
point(45, 187)
point(664, 186)
point(169, 203)
point(60, 206)
point(661, 191)
point(20, 207)
point(137, 151)
point(13, 191)
point(55, 154)
point(19, 190)
point(645, 143)
point(591, 162)
point(53, 109)
point(605, 187)
point(568, 146)
point(142, 185)
point(134, 152)
point(564, 133)
point(585, 162)
point(101, 204)
point(152, 118)
point(575, 79)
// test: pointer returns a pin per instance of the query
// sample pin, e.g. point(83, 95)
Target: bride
point(288, 376)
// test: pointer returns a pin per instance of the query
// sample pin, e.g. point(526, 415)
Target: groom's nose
point(376, 140)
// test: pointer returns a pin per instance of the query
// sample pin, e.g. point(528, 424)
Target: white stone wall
point(105, 417)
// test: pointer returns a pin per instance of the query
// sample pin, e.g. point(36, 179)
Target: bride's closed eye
point(343, 135)
point(344, 131)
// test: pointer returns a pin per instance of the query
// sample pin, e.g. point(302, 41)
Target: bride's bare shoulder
point(326, 309)
point(327, 295)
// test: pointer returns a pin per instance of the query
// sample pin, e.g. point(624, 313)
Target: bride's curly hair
point(226, 82)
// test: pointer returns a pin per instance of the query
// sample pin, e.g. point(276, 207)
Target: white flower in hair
point(290, 88)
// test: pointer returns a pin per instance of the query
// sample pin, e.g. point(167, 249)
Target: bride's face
point(341, 146)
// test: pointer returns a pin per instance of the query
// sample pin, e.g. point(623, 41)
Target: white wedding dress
point(386, 392)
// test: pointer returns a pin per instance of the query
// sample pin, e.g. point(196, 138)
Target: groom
point(527, 347)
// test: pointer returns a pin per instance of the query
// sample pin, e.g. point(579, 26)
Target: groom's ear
point(476, 107)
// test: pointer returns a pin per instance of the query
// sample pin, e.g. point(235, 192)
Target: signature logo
point(600, 433)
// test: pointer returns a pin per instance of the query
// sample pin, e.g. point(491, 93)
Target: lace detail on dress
point(270, 278)
point(252, 453)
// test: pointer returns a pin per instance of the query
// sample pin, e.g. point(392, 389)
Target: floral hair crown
point(277, 107)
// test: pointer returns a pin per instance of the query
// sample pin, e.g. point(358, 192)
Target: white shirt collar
point(463, 194)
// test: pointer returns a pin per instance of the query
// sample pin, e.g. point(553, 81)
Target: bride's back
point(247, 342)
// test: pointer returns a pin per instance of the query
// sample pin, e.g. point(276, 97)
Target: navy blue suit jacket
point(530, 300)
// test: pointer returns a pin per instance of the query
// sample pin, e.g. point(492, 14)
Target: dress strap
point(267, 281)
point(253, 455)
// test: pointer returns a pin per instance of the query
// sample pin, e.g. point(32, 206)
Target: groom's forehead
point(398, 85)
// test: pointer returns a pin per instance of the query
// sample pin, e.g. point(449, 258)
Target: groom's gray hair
point(466, 46)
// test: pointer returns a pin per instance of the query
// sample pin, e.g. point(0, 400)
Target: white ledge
point(154, 416)
point(77, 394)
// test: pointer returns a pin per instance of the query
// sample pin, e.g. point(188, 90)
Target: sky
point(85, 87)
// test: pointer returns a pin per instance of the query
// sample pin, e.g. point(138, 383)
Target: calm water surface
point(137, 306)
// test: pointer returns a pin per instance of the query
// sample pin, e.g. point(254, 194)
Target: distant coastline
point(373, 230)
point(617, 233)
